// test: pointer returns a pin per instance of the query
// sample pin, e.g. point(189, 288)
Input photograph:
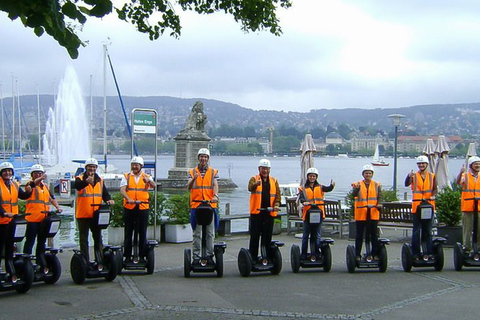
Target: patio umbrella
point(429, 151)
point(472, 151)
point(441, 168)
point(306, 159)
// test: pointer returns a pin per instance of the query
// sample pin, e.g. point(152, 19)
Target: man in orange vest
point(10, 192)
point(134, 188)
point(203, 185)
point(36, 203)
point(424, 187)
point(470, 189)
point(264, 193)
point(366, 193)
point(90, 190)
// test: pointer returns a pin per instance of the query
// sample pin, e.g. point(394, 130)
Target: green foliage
point(117, 214)
point(448, 205)
point(62, 19)
point(177, 208)
point(388, 196)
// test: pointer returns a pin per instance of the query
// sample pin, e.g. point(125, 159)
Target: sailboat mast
point(38, 124)
point(19, 125)
point(105, 105)
point(13, 115)
point(3, 123)
point(91, 117)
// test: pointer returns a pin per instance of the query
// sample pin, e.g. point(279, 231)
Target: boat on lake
point(376, 161)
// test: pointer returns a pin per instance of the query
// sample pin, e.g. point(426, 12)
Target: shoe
point(303, 256)
point(196, 261)
point(210, 261)
point(358, 258)
point(142, 260)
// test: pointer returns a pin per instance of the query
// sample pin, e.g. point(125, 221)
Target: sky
point(333, 54)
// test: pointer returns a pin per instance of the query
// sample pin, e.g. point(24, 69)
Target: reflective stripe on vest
point(9, 199)
point(367, 197)
point(313, 196)
point(470, 191)
point(422, 189)
point(86, 197)
point(136, 191)
point(256, 196)
point(202, 187)
point(36, 203)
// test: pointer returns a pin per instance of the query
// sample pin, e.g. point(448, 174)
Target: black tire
point(78, 268)
point(54, 268)
point(327, 258)
point(277, 261)
point(407, 257)
point(439, 257)
point(458, 257)
point(295, 258)
point(24, 271)
point(187, 262)
point(219, 263)
point(351, 264)
point(151, 261)
point(383, 263)
point(112, 265)
point(244, 262)
point(119, 260)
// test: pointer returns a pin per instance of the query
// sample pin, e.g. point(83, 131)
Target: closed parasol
point(441, 168)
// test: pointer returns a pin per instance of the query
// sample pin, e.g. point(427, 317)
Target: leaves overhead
point(63, 19)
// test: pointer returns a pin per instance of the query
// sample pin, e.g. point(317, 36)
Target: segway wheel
point(277, 261)
point(439, 257)
point(119, 260)
point(151, 261)
point(219, 263)
point(54, 267)
point(244, 262)
point(78, 268)
point(458, 257)
point(327, 258)
point(407, 257)
point(24, 271)
point(351, 265)
point(383, 264)
point(187, 262)
point(112, 264)
point(295, 258)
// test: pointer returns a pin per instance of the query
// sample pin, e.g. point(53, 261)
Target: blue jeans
point(422, 230)
point(306, 234)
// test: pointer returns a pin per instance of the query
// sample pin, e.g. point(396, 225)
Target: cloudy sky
point(333, 54)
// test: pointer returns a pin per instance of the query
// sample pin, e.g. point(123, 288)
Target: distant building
point(334, 138)
point(415, 144)
point(265, 144)
point(367, 142)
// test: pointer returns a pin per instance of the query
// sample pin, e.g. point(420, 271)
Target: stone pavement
point(310, 294)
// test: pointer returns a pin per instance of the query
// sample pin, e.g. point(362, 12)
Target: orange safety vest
point(39, 201)
point(202, 188)
point(9, 199)
point(422, 189)
point(367, 197)
point(256, 196)
point(470, 190)
point(313, 196)
point(86, 197)
point(137, 191)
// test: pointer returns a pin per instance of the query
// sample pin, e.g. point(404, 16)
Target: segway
point(320, 256)
point(204, 215)
point(461, 257)
point(107, 268)
point(138, 263)
point(367, 260)
point(436, 260)
point(270, 259)
point(47, 267)
point(19, 271)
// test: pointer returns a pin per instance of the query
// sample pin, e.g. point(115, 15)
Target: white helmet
point(312, 170)
point(37, 168)
point(6, 165)
point(204, 151)
point(367, 167)
point(422, 159)
point(138, 160)
point(91, 161)
point(471, 160)
point(264, 163)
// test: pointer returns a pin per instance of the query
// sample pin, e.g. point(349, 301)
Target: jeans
point(371, 234)
point(422, 230)
point(6, 246)
point(135, 219)
point(85, 224)
point(467, 223)
point(260, 224)
point(33, 231)
point(306, 234)
point(197, 237)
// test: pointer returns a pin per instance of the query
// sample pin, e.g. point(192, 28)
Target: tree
point(62, 18)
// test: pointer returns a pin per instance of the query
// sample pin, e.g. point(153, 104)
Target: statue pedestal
point(186, 156)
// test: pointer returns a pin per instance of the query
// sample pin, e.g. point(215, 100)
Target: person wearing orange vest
point(134, 187)
point(470, 190)
point(264, 193)
point(10, 192)
point(366, 192)
point(203, 185)
point(90, 190)
point(312, 192)
point(424, 187)
point(36, 203)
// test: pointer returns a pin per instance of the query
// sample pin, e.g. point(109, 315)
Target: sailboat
point(376, 161)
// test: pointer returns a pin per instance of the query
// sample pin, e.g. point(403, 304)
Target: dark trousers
point(371, 234)
point(84, 225)
point(422, 230)
point(33, 231)
point(260, 224)
point(6, 245)
point(135, 219)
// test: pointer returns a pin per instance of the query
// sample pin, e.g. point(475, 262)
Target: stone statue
point(195, 124)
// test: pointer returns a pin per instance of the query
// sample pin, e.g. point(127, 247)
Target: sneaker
point(196, 261)
point(303, 256)
point(210, 260)
point(358, 258)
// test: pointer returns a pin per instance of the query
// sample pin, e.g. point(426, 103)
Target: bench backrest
point(396, 212)
point(333, 209)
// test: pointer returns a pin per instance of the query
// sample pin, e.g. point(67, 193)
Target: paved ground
point(311, 294)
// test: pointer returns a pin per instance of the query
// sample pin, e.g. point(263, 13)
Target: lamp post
point(396, 122)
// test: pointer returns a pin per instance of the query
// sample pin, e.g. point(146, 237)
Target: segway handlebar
point(429, 199)
point(269, 209)
point(50, 213)
point(369, 206)
point(474, 198)
point(205, 201)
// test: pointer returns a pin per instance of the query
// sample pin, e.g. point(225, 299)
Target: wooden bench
point(333, 215)
point(396, 215)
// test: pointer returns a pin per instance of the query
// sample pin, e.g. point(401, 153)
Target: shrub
point(117, 214)
point(448, 205)
point(177, 208)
